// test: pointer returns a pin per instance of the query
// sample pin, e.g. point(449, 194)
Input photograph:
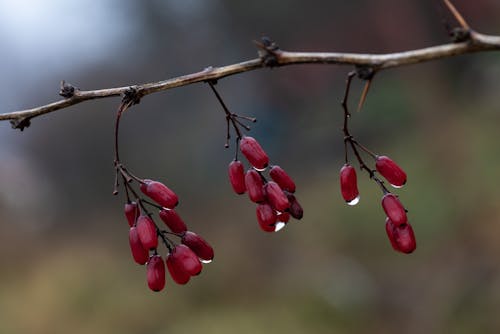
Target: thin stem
point(349, 139)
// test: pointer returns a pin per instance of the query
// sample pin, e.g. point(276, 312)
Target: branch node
point(365, 72)
point(131, 96)
point(20, 123)
point(268, 51)
point(67, 90)
point(459, 35)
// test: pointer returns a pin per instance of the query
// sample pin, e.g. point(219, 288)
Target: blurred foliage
point(64, 251)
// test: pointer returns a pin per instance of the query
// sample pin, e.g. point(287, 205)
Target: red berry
point(237, 176)
point(283, 217)
point(254, 153)
point(131, 212)
point(394, 209)
point(284, 180)
point(295, 209)
point(160, 193)
point(173, 220)
point(139, 253)
point(255, 186)
point(177, 271)
point(349, 184)
point(276, 197)
point(156, 273)
point(390, 171)
point(146, 230)
point(187, 259)
point(199, 246)
point(266, 216)
point(402, 237)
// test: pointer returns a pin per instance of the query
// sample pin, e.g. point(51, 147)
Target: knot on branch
point(131, 96)
point(20, 123)
point(67, 90)
point(268, 51)
point(365, 72)
point(459, 35)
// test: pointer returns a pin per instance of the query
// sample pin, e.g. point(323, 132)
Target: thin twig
point(460, 19)
point(477, 43)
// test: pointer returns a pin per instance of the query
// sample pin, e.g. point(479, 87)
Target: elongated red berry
point(266, 216)
point(199, 246)
point(394, 209)
point(160, 193)
point(402, 237)
point(281, 177)
point(146, 230)
point(276, 197)
point(295, 209)
point(283, 217)
point(131, 212)
point(156, 273)
point(139, 253)
point(173, 220)
point(186, 259)
point(254, 153)
point(390, 171)
point(349, 184)
point(176, 270)
point(237, 176)
point(255, 186)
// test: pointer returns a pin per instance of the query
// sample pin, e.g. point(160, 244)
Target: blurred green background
point(66, 265)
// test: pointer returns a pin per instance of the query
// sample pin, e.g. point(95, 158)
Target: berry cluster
point(183, 260)
point(398, 229)
point(275, 198)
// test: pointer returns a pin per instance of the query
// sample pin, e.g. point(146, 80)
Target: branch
point(270, 56)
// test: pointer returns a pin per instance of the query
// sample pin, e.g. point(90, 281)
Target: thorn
point(362, 99)
point(460, 19)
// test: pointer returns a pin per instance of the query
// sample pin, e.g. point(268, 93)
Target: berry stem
point(349, 139)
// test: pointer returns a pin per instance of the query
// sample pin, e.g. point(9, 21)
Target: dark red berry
point(394, 209)
point(177, 271)
point(295, 209)
point(276, 197)
point(349, 184)
point(266, 216)
point(390, 171)
point(254, 153)
point(160, 193)
point(255, 186)
point(146, 230)
point(199, 246)
point(283, 217)
point(139, 253)
point(156, 273)
point(173, 220)
point(402, 237)
point(186, 259)
point(237, 176)
point(284, 180)
point(131, 212)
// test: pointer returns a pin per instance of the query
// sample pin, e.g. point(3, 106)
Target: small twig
point(460, 19)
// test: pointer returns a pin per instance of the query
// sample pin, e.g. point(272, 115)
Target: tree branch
point(270, 56)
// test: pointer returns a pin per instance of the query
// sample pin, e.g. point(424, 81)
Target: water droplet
point(354, 201)
point(397, 187)
point(205, 261)
point(279, 226)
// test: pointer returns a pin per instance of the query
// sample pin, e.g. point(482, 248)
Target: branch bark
point(270, 56)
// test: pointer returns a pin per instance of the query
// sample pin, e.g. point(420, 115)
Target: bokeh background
point(64, 256)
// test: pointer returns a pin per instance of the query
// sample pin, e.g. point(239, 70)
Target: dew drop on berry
point(279, 226)
point(354, 201)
